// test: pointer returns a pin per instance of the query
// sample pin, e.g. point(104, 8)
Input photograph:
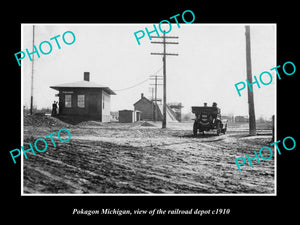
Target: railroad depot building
point(84, 98)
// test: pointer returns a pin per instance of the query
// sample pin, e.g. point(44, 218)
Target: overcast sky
point(211, 60)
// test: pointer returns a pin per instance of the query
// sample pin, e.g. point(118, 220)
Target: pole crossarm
point(166, 42)
point(158, 76)
point(164, 37)
point(157, 53)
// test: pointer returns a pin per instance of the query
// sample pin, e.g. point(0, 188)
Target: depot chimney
point(86, 76)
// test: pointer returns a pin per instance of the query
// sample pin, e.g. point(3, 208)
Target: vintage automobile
point(208, 118)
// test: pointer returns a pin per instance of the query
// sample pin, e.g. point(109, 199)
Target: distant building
point(84, 98)
point(148, 108)
point(114, 116)
point(240, 119)
point(228, 118)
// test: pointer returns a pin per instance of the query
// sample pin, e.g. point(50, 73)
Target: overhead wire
point(133, 85)
point(123, 89)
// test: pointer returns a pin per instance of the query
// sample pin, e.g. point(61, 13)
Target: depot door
point(93, 105)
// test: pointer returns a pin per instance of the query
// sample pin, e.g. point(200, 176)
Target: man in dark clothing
point(54, 108)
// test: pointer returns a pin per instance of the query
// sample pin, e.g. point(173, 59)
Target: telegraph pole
point(31, 95)
point(164, 54)
point(252, 122)
point(156, 78)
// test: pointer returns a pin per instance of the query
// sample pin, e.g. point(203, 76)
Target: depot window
point(80, 101)
point(68, 101)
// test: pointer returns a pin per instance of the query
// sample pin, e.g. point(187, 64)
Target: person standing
point(54, 108)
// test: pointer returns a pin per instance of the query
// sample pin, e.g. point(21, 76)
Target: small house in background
point(149, 110)
point(84, 98)
point(145, 106)
point(129, 116)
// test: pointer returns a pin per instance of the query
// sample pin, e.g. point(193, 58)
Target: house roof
point(144, 98)
point(83, 84)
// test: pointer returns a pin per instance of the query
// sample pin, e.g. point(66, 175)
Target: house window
point(80, 101)
point(68, 101)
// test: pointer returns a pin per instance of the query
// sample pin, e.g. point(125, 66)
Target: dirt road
point(142, 158)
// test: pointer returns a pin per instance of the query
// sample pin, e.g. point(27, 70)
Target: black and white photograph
point(166, 116)
point(142, 111)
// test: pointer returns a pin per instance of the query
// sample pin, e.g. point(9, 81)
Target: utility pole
point(252, 122)
point(156, 78)
point(31, 95)
point(152, 97)
point(152, 93)
point(164, 54)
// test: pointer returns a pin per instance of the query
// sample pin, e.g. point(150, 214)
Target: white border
point(97, 24)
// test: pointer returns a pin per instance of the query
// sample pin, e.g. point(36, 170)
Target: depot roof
point(83, 84)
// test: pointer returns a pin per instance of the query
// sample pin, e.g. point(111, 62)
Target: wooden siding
point(92, 103)
point(146, 107)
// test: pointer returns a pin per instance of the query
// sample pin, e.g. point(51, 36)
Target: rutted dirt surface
point(140, 158)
